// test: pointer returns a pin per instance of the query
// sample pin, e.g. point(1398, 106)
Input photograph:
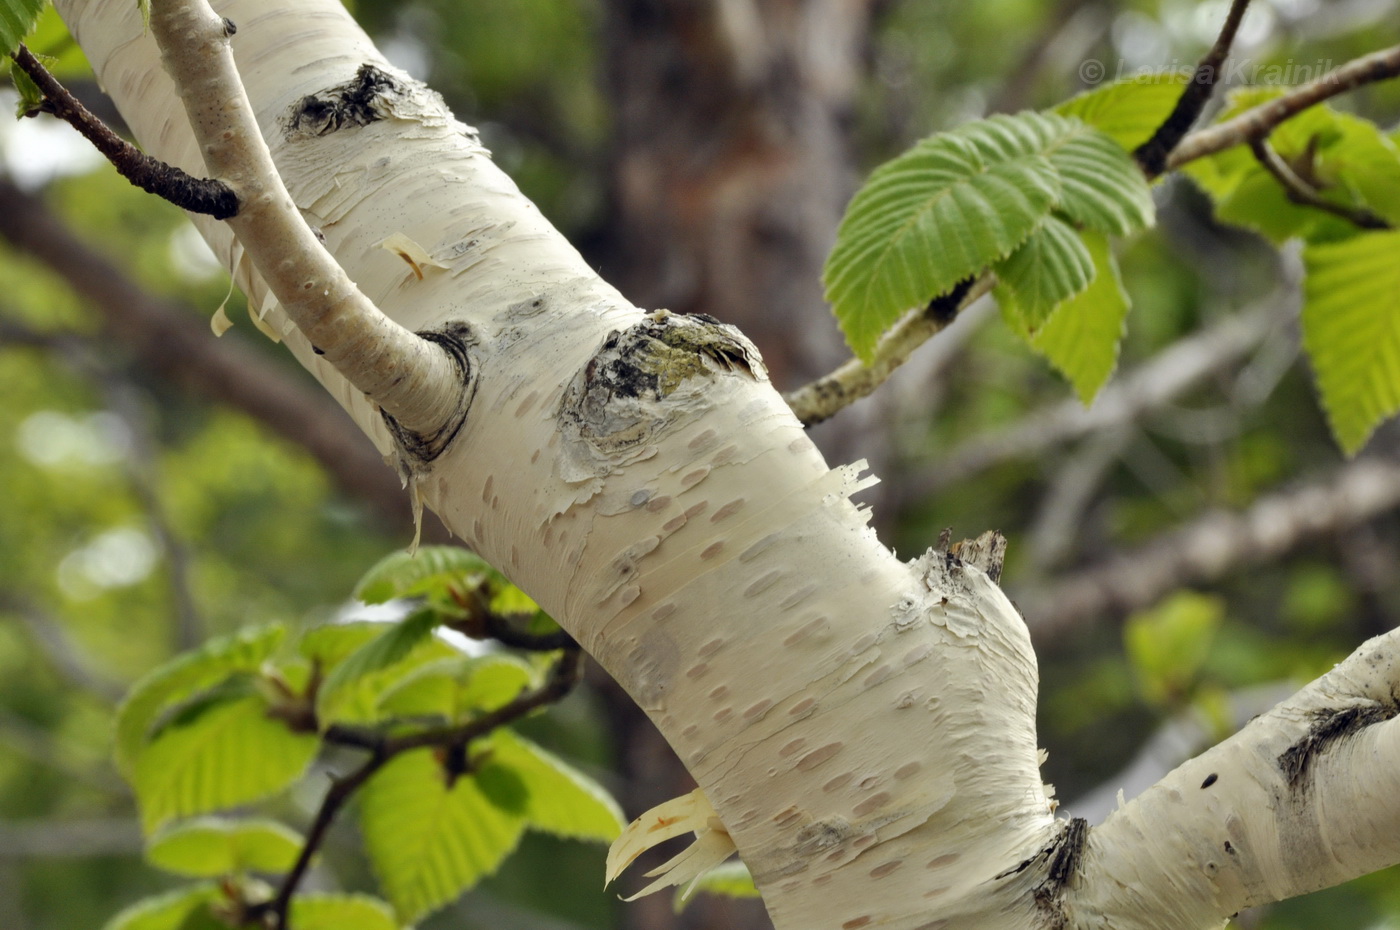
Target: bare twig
point(1301, 192)
point(562, 678)
point(1212, 545)
point(198, 195)
point(854, 379)
point(1152, 154)
point(1258, 122)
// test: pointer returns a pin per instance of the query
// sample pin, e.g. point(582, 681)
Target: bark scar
point(370, 95)
point(418, 449)
point(1328, 727)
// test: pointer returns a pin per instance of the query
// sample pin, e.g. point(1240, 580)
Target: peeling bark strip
point(421, 448)
point(371, 95)
point(1330, 726)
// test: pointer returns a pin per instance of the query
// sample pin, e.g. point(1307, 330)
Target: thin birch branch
point(414, 380)
point(1152, 154)
point(853, 379)
point(1258, 122)
point(198, 195)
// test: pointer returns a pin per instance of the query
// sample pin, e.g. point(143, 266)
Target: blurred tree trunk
point(730, 169)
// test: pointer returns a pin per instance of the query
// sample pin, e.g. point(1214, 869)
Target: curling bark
point(863, 727)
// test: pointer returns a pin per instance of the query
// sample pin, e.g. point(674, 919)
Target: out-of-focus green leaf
point(1351, 330)
point(341, 912)
point(1129, 111)
point(459, 687)
point(182, 909)
point(17, 17)
point(363, 669)
point(560, 799)
point(182, 677)
point(231, 754)
point(428, 843)
point(731, 879)
point(210, 846)
point(1168, 644)
point(404, 574)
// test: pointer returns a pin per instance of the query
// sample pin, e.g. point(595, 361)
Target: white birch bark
point(863, 727)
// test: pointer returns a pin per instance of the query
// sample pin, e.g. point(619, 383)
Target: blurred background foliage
point(139, 517)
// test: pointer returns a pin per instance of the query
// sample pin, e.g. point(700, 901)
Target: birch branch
point(1152, 154)
point(411, 378)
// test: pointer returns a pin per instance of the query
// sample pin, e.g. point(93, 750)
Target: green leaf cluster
point(1167, 645)
point(1019, 195)
point(242, 717)
point(1351, 312)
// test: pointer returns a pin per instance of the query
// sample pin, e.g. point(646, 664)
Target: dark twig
point(197, 195)
point(1152, 155)
point(1301, 192)
point(562, 678)
point(508, 634)
point(1261, 120)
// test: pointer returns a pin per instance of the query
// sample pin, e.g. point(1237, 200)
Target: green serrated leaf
point(560, 799)
point(731, 879)
point(31, 98)
point(1049, 268)
point(960, 201)
point(17, 18)
point(404, 574)
point(232, 754)
point(939, 213)
point(1351, 330)
point(341, 912)
point(352, 688)
point(428, 843)
point(209, 847)
point(189, 673)
point(1082, 336)
point(1102, 187)
point(1168, 644)
point(1129, 111)
point(458, 688)
point(183, 909)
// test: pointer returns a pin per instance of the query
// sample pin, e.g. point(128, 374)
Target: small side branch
point(198, 195)
point(1301, 192)
point(1152, 155)
point(1261, 120)
point(419, 383)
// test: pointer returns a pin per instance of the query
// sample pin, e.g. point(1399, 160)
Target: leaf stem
point(1301, 192)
